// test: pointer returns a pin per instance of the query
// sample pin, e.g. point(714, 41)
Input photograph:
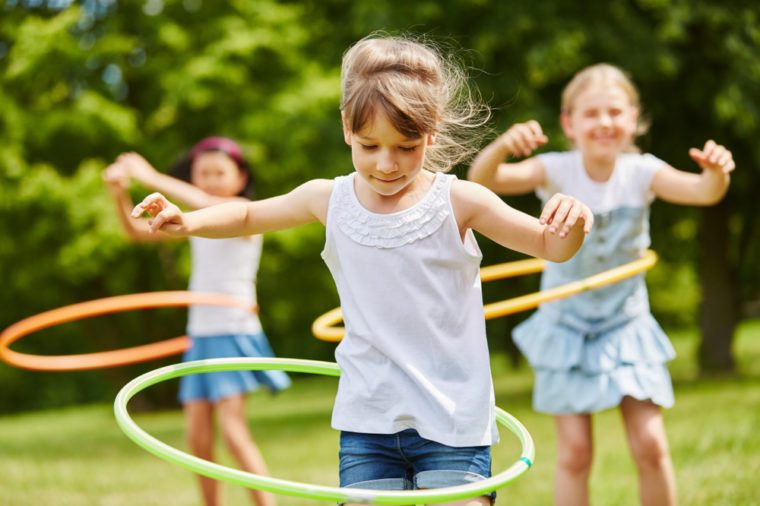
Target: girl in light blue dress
point(602, 348)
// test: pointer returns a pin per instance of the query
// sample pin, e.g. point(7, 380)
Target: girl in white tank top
point(217, 173)
point(401, 249)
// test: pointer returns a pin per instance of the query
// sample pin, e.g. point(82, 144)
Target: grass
point(78, 455)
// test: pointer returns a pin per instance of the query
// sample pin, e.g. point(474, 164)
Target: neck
point(599, 169)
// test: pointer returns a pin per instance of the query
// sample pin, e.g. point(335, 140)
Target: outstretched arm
point(703, 189)
point(175, 189)
point(305, 204)
point(556, 236)
point(517, 178)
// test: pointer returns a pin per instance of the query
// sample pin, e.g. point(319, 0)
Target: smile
point(388, 180)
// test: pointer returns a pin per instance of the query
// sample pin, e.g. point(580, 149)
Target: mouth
point(386, 180)
point(604, 137)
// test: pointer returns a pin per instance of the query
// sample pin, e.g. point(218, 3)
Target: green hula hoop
point(292, 488)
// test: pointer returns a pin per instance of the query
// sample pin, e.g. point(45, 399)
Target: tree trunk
point(720, 306)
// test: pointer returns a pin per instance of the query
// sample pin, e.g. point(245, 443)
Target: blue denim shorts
point(407, 461)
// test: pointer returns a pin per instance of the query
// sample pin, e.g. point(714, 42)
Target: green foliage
point(80, 84)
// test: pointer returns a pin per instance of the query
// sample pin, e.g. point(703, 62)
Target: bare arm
point(703, 189)
point(556, 235)
point(305, 204)
point(175, 189)
point(117, 180)
point(517, 178)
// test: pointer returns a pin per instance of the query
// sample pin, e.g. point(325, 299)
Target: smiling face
point(387, 161)
point(601, 123)
point(217, 174)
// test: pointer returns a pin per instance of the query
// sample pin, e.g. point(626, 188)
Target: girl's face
point(386, 160)
point(602, 122)
point(217, 174)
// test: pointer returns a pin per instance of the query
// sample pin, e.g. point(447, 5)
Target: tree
point(81, 83)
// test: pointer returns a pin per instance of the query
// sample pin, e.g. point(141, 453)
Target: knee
point(575, 456)
point(649, 450)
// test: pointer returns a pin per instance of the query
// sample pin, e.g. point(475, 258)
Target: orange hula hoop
point(324, 327)
point(97, 307)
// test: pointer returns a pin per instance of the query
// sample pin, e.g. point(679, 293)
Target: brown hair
point(420, 91)
point(603, 74)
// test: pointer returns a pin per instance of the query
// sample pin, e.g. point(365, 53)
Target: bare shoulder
point(318, 190)
point(469, 200)
point(465, 193)
point(314, 195)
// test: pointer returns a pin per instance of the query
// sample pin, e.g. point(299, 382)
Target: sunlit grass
point(78, 455)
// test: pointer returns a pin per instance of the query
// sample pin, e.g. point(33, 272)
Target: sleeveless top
point(224, 266)
point(415, 354)
point(619, 236)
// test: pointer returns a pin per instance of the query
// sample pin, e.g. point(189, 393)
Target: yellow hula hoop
point(324, 327)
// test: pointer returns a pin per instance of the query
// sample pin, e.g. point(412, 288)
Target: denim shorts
point(407, 461)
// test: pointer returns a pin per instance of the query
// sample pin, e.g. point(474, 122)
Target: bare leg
point(649, 446)
point(238, 439)
point(575, 453)
point(199, 419)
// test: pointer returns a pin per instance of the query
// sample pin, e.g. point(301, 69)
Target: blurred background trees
point(82, 82)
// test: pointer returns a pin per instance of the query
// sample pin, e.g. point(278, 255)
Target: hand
point(562, 213)
point(165, 216)
point(116, 176)
point(136, 166)
point(713, 157)
point(523, 138)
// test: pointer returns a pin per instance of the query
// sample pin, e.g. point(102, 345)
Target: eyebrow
point(372, 139)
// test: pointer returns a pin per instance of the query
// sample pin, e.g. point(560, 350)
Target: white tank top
point(224, 266)
point(415, 353)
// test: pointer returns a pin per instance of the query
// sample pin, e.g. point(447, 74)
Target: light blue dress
point(591, 350)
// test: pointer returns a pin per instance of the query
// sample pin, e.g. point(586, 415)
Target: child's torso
point(415, 353)
point(620, 234)
point(226, 266)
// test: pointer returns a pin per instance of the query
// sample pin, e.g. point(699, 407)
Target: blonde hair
point(420, 91)
point(603, 74)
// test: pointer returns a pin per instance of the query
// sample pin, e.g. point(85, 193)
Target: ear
point(430, 139)
point(346, 130)
point(566, 121)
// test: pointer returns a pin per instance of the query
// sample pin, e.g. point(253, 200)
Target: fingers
point(153, 204)
point(135, 164)
point(113, 173)
point(561, 213)
point(115, 176)
point(713, 156)
point(523, 138)
point(166, 216)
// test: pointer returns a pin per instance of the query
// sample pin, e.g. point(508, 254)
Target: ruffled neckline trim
point(394, 229)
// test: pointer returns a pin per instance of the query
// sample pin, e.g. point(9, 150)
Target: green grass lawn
point(79, 456)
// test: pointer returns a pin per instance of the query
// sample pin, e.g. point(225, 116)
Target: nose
point(605, 119)
point(386, 163)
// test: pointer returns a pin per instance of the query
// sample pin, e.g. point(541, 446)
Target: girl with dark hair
point(215, 172)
